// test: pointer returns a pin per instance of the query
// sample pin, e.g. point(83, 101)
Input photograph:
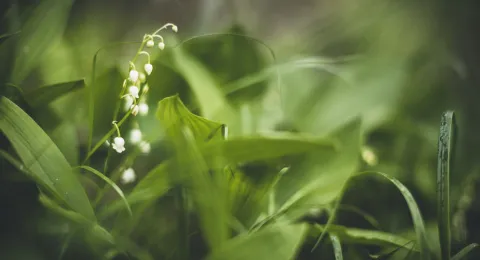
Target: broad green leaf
point(173, 115)
point(278, 241)
point(364, 236)
point(46, 94)
point(44, 26)
point(212, 102)
point(464, 252)
point(268, 146)
point(205, 189)
point(446, 145)
point(43, 158)
point(320, 178)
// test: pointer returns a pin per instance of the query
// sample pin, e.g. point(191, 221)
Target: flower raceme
point(138, 87)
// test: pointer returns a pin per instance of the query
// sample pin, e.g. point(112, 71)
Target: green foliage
point(42, 158)
point(279, 241)
point(249, 159)
point(45, 25)
point(44, 95)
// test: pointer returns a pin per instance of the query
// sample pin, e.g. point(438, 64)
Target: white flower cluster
point(134, 96)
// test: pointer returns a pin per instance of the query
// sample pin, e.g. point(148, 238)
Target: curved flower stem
point(146, 53)
point(116, 126)
point(106, 136)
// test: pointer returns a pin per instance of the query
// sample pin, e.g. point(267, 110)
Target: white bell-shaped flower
point(174, 28)
point(118, 144)
point(128, 176)
point(128, 102)
point(135, 110)
point(145, 147)
point(143, 109)
point(148, 68)
point(133, 90)
point(135, 136)
point(161, 45)
point(133, 76)
point(150, 43)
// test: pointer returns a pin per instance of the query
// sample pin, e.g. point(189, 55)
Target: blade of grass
point(360, 236)
point(337, 247)
point(417, 219)
point(446, 144)
point(7, 35)
point(460, 255)
point(17, 164)
point(369, 218)
point(385, 256)
point(43, 95)
point(111, 183)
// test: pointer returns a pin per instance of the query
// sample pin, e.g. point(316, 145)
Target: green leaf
point(205, 189)
point(446, 144)
point(320, 178)
point(213, 103)
point(111, 183)
point(43, 158)
point(173, 115)
point(263, 147)
point(46, 94)
point(279, 241)
point(44, 26)
point(364, 236)
point(464, 252)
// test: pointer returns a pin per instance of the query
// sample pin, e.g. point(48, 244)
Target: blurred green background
point(397, 65)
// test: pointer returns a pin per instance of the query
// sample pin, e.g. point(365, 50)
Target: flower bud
point(133, 90)
point(128, 176)
point(133, 76)
point(148, 68)
point(150, 43)
point(142, 77)
point(143, 109)
point(135, 136)
point(161, 45)
point(135, 110)
point(128, 102)
point(174, 28)
point(145, 147)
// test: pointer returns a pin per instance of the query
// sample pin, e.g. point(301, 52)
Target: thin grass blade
point(111, 183)
point(464, 252)
point(337, 247)
point(446, 144)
